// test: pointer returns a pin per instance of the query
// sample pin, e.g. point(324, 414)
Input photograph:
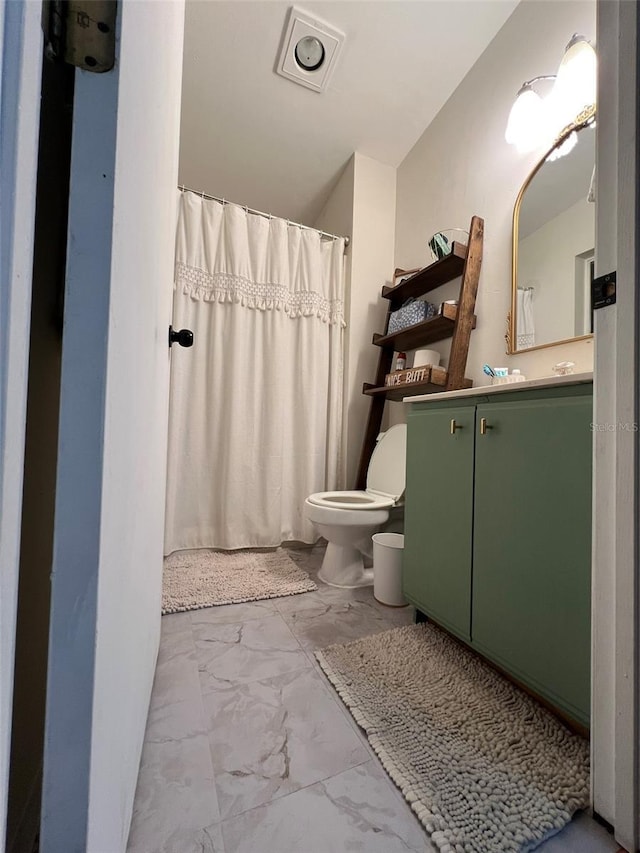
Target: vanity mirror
point(553, 244)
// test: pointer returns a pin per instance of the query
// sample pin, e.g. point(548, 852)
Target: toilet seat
point(385, 477)
point(386, 474)
point(362, 524)
point(353, 501)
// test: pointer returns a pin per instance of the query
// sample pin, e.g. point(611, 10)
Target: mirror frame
point(584, 119)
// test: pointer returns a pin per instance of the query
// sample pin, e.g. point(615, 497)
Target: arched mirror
point(553, 245)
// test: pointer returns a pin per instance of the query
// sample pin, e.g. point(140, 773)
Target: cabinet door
point(438, 515)
point(532, 545)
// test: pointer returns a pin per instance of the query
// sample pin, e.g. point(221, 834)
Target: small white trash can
point(387, 568)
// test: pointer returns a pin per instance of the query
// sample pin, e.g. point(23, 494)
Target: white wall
point(337, 218)
point(547, 262)
point(369, 210)
point(107, 572)
point(462, 166)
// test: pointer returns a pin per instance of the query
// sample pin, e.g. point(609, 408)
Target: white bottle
point(517, 376)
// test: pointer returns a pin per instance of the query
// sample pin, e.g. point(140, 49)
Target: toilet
point(348, 520)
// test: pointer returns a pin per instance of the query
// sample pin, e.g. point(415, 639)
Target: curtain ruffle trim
point(222, 287)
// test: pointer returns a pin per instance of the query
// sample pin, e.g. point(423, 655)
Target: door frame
point(615, 608)
point(20, 82)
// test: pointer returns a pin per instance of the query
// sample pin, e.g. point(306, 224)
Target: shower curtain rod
point(184, 189)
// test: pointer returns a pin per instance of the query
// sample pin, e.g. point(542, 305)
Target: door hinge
point(81, 33)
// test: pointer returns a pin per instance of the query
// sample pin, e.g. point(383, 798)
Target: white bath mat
point(484, 766)
point(196, 579)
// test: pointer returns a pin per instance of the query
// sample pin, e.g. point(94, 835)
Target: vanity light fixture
point(527, 125)
point(575, 86)
point(534, 121)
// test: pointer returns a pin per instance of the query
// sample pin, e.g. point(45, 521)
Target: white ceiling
point(258, 139)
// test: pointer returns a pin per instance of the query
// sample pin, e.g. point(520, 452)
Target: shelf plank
point(430, 277)
point(459, 351)
point(461, 263)
point(399, 392)
point(421, 334)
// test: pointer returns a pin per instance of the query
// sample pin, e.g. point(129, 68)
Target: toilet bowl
point(348, 520)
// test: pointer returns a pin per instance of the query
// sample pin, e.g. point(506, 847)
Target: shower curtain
point(255, 421)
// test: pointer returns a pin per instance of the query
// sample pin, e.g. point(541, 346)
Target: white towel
point(591, 195)
point(526, 332)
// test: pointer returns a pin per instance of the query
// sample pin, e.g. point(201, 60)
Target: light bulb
point(575, 86)
point(527, 125)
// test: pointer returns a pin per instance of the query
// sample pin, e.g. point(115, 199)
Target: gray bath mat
point(483, 765)
point(195, 579)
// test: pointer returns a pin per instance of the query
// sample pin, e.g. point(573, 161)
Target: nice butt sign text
point(408, 377)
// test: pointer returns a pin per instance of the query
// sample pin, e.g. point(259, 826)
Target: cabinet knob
point(454, 426)
point(484, 426)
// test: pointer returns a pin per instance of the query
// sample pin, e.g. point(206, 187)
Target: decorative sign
point(408, 377)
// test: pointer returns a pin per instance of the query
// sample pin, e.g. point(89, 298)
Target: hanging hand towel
point(526, 333)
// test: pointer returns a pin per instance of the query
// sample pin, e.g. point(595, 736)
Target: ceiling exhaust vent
point(310, 50)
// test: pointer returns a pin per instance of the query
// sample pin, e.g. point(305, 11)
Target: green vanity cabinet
point(532, 544)
point(498, 531)
point(437, 555)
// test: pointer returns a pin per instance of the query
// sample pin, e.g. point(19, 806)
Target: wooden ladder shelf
point(456, 323)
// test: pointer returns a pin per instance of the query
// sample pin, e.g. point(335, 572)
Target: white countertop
point(545, 382)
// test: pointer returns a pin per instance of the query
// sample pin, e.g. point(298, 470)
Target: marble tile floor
point(248, 749)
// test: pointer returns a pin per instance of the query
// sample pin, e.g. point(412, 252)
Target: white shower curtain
point(255, 418)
